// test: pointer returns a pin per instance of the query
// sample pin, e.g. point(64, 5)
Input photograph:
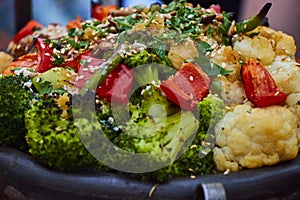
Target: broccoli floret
point(158, 128)
point(52, 135)
point(211, 110)
point(145, 57)
point(192, 162)
point(15, 98)
point(164, 143)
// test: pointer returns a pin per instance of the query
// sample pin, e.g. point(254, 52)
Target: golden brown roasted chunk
point(253, 137)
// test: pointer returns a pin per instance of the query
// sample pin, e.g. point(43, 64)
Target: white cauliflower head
point(265, 45)
point(253, 137)
point(286, 74)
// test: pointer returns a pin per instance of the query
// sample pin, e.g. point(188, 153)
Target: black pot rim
point(19, 171)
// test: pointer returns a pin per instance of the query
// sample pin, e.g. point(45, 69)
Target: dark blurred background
point(284, 15)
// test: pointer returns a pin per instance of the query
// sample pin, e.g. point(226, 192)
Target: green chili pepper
point(253, 22)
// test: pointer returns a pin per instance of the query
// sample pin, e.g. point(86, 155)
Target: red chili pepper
point(260, 87)
point(117, 85)
point(101, 12)
point(45, 52)
point(28, 29)
point(187, 87)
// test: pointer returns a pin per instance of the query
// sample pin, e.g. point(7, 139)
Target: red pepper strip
point(187, 87)
point(86, 71)
point(75, 62)
point(260, 87)
point(28, 29)
point(74, 23)
point(29, 61)
point(101, 12)
point(117, 85)
point(45, 52)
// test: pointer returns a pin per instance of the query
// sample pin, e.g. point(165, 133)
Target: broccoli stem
point(184, 127)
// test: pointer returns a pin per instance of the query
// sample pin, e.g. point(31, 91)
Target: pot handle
point(210, 191)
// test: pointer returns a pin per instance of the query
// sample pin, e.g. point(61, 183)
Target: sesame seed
point(79, 78)
point(63, 50)
point(227, 171)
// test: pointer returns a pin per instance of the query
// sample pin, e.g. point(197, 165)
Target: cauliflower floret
point(265, 45)
point(229, 60)
point(257, 47)
point(232, 93)
point(179, 52)
point(293, 102)
point(5, 60)
point(285, 73)
point(253, 137)
point(282, 43)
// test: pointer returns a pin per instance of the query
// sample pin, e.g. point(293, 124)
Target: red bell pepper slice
point(187, 87)
point(75, 62)
point(45, 52)
point(28, 29)
point(101, 12)
point(74, 23)
point(117, 85)
point(29, 61)
point(260, 87)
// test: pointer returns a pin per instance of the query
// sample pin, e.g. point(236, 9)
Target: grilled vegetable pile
point(185, 86)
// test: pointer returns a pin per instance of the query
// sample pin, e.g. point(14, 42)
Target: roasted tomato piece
point(28, 29)
point(187, 87)
point(117, 85)
point(45, 52)
point(29, 61)
point(259, 85)
point(101, 12)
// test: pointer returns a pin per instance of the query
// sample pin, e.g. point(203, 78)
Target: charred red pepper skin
point(116, 87)
point(187, 87)
point(260, 87)
point(45, 53)
point(28, 29)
